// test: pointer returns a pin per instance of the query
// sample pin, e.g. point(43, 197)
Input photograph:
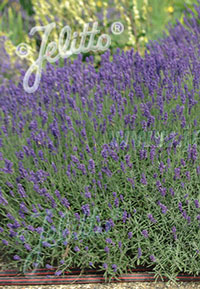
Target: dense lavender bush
point(77, 189)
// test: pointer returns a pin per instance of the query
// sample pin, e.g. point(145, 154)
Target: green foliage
point(16, 27)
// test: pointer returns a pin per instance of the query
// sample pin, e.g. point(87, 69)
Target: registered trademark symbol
point(117, 28)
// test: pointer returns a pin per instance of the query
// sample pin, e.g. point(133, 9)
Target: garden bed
point(76, 192)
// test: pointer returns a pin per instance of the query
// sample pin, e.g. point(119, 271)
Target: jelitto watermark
point(47, 51)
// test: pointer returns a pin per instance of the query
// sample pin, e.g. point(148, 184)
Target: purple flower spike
point(143, 179)
point(58, 273)
point(164, 209)
point(76, 249)
point(16, 257)
point(151, 218)
point(105, 265)
point(28, 247)
point(106, 249)
point(5, 242)
point(152, 258)
point(125, 215)
point(109, 240)
point(46, 244)
point(145, 233)
point(91, 166)
point(86, 209)
point(21, 191)
point(130, 235)
point(114, 266)
point(139, 253)
point(196, 202)
point(49, 266)
point(173, 229)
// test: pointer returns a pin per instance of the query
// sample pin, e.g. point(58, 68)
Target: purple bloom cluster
point(145, 233)
point(151, 218)
point(164, 209)
point(174, 232)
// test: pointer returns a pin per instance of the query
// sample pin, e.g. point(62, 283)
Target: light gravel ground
point(129, 285)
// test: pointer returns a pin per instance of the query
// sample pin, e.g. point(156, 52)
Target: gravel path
point(130, 285)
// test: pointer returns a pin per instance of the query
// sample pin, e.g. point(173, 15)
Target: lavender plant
point(77, 191)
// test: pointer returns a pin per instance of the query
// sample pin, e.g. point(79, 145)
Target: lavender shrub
point(76, 191)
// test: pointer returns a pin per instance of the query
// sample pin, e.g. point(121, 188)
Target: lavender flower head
point(145, 233)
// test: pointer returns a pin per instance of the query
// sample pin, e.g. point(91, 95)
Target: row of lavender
point(75, 191)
